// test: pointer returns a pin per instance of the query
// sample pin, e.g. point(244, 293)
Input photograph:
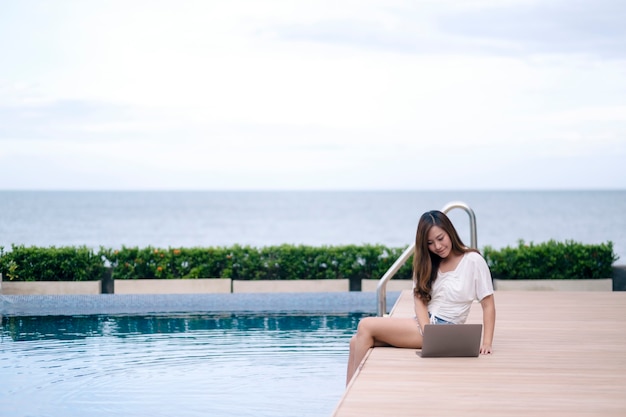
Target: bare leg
point(381, 331)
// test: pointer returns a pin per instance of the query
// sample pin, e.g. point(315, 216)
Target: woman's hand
point(485, 349)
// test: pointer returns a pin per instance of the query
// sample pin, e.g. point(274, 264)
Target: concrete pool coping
point(313, 302)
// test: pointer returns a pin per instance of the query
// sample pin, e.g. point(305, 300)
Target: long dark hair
point(426, 263)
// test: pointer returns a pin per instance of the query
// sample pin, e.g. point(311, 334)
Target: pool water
point(174, 365)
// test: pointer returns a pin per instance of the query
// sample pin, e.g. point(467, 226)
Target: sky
point(308, 95)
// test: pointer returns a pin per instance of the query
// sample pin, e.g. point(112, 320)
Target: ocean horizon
point(319, 218)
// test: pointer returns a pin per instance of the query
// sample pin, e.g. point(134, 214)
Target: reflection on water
point(184, 365)
point(21, 328)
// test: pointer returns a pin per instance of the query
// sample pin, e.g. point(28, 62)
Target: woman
point(447, 278)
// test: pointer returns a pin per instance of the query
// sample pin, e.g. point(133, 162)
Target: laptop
point(451, 340)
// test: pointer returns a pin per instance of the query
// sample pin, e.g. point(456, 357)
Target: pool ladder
point(381, 289)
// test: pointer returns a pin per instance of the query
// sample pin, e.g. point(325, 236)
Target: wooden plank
point(555, 353)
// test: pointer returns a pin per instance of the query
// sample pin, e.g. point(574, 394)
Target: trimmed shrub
point(552, 260)
point(50, 264)
point(284, 262)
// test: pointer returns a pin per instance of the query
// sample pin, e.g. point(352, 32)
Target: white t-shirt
point(454, 292)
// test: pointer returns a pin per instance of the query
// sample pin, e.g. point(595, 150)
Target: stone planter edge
point(172, 286)
point(603, 284)
point(300, 285)
point(50, 287)
point(370, 285)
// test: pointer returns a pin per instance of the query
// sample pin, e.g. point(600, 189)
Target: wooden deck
point(555, 354)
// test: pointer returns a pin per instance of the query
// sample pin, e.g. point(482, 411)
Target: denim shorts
point(437, 320)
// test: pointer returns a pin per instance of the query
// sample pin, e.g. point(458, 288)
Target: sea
point(174, 219)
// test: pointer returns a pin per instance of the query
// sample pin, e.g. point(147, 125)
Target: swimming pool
point(187, 365)
point(242, 363)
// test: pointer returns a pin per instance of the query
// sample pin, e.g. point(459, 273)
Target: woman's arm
point(421, 312)
point(489, 323)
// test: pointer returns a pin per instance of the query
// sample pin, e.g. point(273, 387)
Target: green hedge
point(552, 260)
point(285, 262)
point(50, 264)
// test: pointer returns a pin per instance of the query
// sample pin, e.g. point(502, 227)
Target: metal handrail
point(381, 289)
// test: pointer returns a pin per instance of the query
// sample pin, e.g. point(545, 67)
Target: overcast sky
point(268, 94)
